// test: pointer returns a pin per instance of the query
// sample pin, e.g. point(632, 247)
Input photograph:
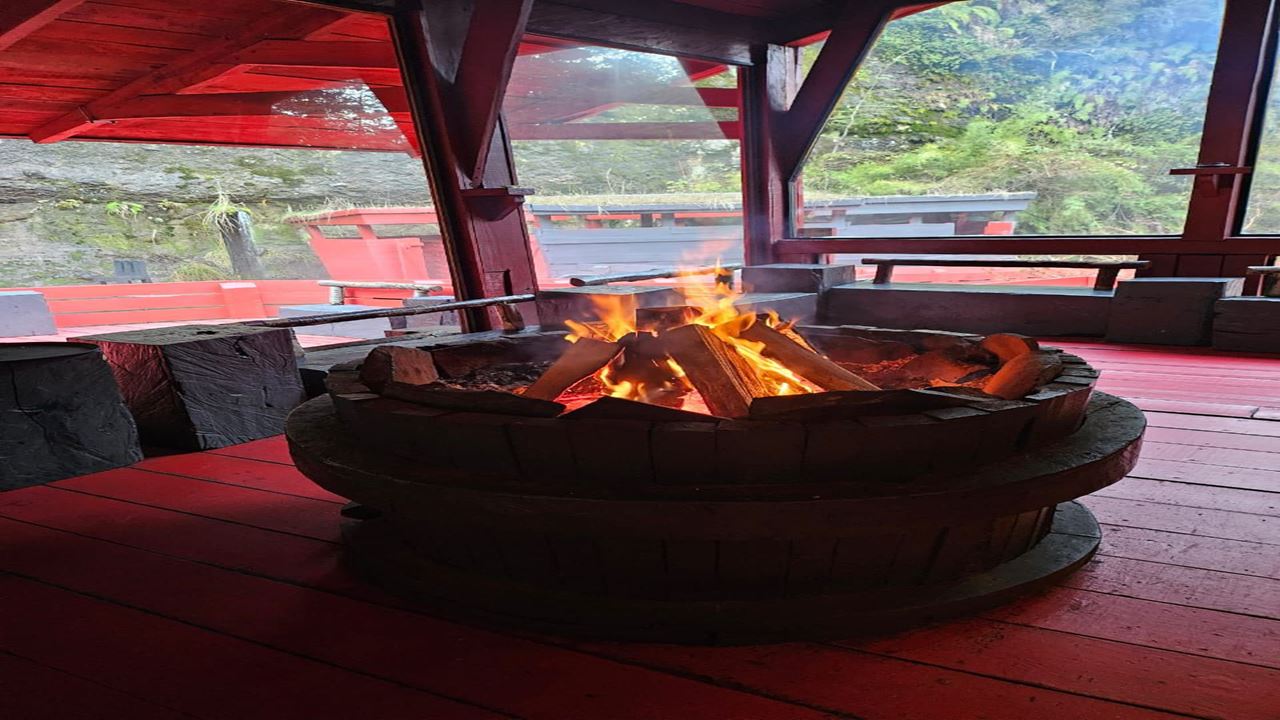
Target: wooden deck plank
point(190, 669)
point(1195, 631)
point(31, 691)
point(1235, 396)
point(1216, 409)
point(247, 549)
point(1162, 355)
point(1209, 438)
point(284, 513)
point(1239, 557)
point(1212, 456)
point(1179, 585)
point(1257, 389)
point(1189, 520)
point(272, 449)
point(874, 687)
point(517, 676)
point(1184, 372)
point(234, 470)
point(1191, 495)
point(1219, 426)
point(1215, 476)
point(1159, 679)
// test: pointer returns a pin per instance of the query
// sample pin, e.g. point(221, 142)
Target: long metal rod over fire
point(326, 318)
point(721, 271)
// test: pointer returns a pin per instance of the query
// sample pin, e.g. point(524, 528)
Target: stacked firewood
point(651, 372)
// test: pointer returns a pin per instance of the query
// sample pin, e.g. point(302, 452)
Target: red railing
point(127, 304)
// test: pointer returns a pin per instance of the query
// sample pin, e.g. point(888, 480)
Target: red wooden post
point(243, 300)
point(767, 87)
point(1232, 116)
point(781, 119)
point(467, 153)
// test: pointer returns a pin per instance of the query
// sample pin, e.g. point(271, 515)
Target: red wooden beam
point(484, 235)
point(20, 18)
point(850, 40)
point(1027, 245)
point(318, 54)
point(628, 131)
point(1232, 116)
point(663, 27)
point(488, 55)
point(767, 87)
point(194, 68)
point(567, 108)
point(236, 105)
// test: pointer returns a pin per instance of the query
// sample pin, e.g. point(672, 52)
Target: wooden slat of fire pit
point(890, 453)
point(684, 453)
point(691, 569)
point(479, 442)
point(759, 452)
point(614, 452)
point(543, 450)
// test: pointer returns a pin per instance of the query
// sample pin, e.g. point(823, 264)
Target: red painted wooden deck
point(210, 586)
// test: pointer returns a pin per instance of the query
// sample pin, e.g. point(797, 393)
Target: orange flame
point(715, 307)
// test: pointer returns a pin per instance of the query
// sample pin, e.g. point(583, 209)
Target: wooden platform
point(210, 586)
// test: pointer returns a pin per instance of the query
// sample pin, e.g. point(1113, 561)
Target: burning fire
point(647, 374)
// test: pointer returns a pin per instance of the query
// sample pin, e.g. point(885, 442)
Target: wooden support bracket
point(851, 38)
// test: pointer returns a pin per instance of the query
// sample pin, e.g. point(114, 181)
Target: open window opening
point(633, 158)
point(1019, 117)
point(167, 165)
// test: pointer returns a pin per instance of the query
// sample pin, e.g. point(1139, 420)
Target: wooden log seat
point(1247, 324)
point(672, 525)
point(1270, 276)
point(198, 387)
point(61, 414)
point(1036, 310)
point(1168, 310)
point(1108, 270)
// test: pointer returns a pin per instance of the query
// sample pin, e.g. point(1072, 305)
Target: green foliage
point(1087, 103)
point(123, 209)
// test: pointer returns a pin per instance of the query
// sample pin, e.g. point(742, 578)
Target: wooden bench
point(1270, 279)
point(1108, 270)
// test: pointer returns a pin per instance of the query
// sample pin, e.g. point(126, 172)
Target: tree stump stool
point(61, 415)
point(198, 387)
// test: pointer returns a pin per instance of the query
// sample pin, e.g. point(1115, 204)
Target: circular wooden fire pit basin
point(723, 531)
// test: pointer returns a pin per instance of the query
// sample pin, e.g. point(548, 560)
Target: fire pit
point(696, 475)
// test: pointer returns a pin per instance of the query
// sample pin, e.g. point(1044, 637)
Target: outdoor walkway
point(210, 586)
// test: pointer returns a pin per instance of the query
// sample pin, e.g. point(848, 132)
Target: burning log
point(392, 363)
point(493, 401)
point(581, 359)
point(804, 362)
point(664, 318)
point(645, 364)
point(1008, 346)
point(721, 375)
point(612, 408)
point(1023, 374)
